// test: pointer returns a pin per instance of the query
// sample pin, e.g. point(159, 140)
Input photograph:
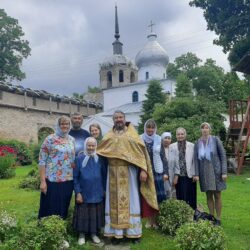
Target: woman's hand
point(175, 181)
point(195, 178)
point(79, 199)
point(43, 187)
point(143, 176)
point(224, 177)
point(165, 177)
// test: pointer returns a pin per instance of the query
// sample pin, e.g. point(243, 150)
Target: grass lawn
point(235, 216)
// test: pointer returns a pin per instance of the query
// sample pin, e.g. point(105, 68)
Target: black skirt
point(88, 218)
point(186, 191)
point(57, 199)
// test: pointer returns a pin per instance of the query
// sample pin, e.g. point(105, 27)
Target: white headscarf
point(88, 156)
point(166, 134)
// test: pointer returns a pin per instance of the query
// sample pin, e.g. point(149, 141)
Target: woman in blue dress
point(89, 186)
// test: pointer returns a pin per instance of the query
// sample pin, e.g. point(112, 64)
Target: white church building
point(124, 83)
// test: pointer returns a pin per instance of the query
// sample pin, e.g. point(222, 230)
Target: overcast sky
point(69, 38)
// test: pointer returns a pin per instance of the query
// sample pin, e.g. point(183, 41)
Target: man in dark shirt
point(77, 132)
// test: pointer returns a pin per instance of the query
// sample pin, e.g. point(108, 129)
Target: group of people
point(121, 177)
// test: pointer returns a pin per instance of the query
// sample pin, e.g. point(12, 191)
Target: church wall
point(118, 96)
point(20, 119)
point(155, 71)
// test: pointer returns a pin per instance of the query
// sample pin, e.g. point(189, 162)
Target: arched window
point(132, 76)
point(109, 79)
point(147, 75)
point(135, 96)
point(121, 78)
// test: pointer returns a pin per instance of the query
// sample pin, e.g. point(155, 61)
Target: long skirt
point(57, 199)
point(186, 191)
point(88, 218)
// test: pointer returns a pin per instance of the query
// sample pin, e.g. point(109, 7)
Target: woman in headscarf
point(173, 166)
point(89, 186)
point(186, 184)
point(159, 163)
point(95, 131)
point(56, 162)
point(211, 168)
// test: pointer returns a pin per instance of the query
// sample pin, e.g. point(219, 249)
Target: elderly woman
point(56, 162)
point(158, 160)
point(185, 185)
point(173, 166)
point(211, 168)
point(96, 131)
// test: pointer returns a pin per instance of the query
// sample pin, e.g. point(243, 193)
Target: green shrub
point(36, 151)
point(8, 225)
point(23, 153)
point(32, 180)
point(7, 169)
point(174, 213)
point(200, 235)
point(48, 233)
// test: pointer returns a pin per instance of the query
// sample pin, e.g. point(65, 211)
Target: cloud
point(70, 38)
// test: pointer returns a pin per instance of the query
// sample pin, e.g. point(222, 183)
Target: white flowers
point(7, 223)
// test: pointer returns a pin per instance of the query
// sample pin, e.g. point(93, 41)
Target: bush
point(8, 225)
point(32, 180)
point(7, 169)
point(36, 151)
point(48, 233)
point(200, 235)
point(22, 152)
point(173, 214)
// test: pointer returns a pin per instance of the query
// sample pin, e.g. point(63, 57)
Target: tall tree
point(229, 19)
point(12, 48)
point(183, 86)
point(154, 96)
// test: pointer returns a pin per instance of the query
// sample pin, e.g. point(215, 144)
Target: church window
point(135, 96)
point(109, 79)
point(147, 75)
point(1, 95)
point(121, 76)
point(34, 101)
point(132, 77)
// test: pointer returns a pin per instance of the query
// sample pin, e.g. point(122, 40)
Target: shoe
point(136, 241)
point(65, 245)
point(217, 223)
point(95, 239)
point(81, 240)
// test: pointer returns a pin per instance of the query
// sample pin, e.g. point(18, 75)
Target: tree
point(190, 112)
point(183, 86)
point(154, 95)
point(94, 90)
point(12, 48)
point(229, 19)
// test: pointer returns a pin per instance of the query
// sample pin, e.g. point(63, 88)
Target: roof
point(19, 89)
point(244, 64)
point(152, 53)
point(135, 107)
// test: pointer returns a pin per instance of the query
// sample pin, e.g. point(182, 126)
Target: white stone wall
point(116, 97)
point(155, 72)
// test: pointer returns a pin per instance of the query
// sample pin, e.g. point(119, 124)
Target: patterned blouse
point(57, 155)
point(182, 158)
